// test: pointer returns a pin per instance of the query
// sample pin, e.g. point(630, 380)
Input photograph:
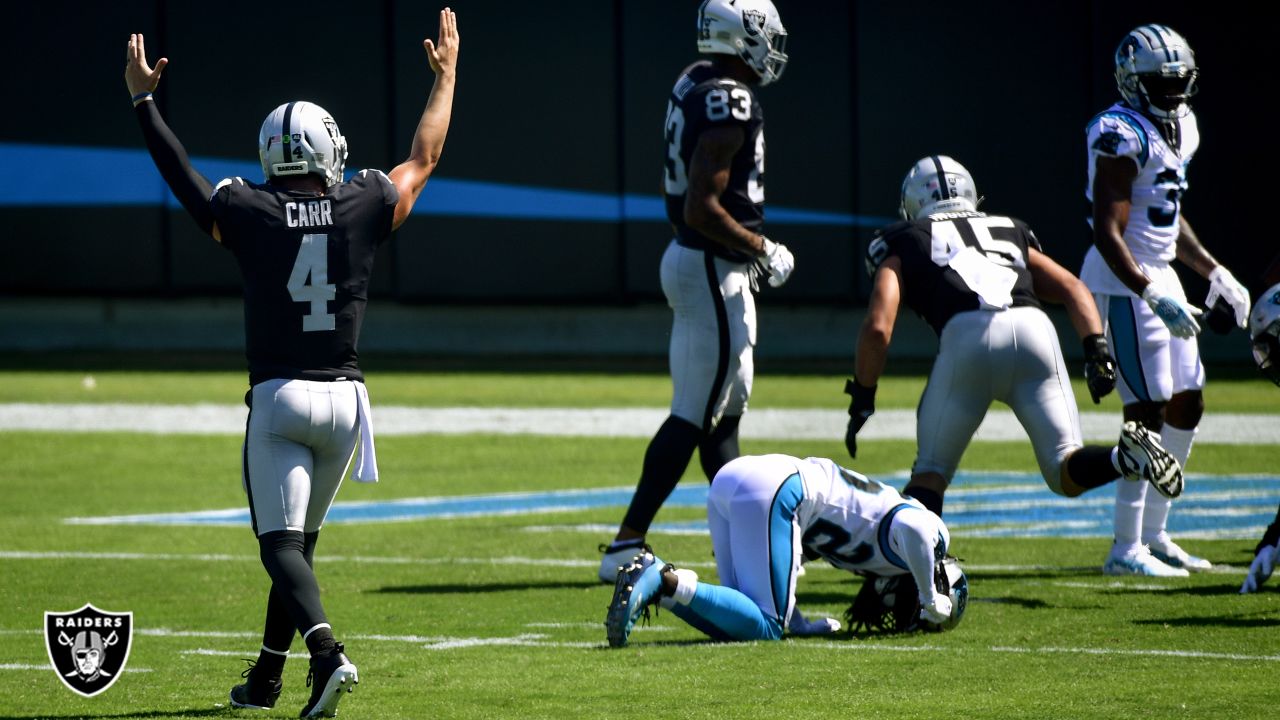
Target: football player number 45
point(309, 282)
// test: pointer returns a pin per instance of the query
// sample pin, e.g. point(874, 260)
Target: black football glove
point(862, 407)
point(1221, 318)
point(1099, 367)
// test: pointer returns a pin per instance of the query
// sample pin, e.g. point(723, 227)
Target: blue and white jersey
point(1152, 231)
point(844, 518)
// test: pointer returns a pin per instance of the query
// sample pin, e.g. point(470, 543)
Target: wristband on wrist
point(141, 98)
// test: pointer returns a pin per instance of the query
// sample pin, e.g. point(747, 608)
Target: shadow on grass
point(1025, 603)
point(1231, 589)
point(1214, 621)
point(202, 712)
point(470, 588)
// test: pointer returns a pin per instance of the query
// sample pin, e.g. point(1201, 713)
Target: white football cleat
point(1164, 549)
point(1139, 561)
point(1143, 459)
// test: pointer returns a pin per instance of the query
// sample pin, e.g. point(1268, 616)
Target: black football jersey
point(305, 260)
point(700, 100)
point(956, 262)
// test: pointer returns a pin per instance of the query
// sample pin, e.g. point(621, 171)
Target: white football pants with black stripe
point(1009, 355)
point(299, 442)
point(713, 334)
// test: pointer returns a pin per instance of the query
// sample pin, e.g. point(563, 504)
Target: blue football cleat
point(634, 591)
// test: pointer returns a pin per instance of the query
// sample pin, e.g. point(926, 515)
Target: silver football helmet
point(1156, 71)
point(301, 138)
point(937, 184)
point(748, 29)
point(1264, 330)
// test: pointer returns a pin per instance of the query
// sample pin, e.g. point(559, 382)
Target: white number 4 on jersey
point(313, 262)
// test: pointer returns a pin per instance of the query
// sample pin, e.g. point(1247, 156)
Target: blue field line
point(76, 176)
point(979, 504)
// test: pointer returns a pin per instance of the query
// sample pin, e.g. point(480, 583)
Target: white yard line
point(202, 557)
point(764, 424)
point(47, 667)
point(542, 640)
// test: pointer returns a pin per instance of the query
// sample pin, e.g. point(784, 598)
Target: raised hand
point(443, 54)
point(138, 76)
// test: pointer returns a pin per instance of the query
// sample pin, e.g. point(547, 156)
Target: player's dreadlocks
point(884, 605)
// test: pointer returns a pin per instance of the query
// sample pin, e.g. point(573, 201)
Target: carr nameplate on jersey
point(309, 213)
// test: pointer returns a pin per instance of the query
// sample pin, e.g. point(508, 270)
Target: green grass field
point(500, 616)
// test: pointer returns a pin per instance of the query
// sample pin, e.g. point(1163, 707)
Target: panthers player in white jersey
point(1139, 150)
point(304, 240)
point(713, 183)
point(978, 280)
point(766, 513)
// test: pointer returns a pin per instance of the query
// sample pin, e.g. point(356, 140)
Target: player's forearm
point(1054, 283)
point(873, 351)
point(190, 187)
point(433, 126)
point(709, 218)
point(1111, 247)
point(1191, 253)
point(1083, 312)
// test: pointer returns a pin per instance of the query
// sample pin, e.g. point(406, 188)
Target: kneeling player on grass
point(765, 513)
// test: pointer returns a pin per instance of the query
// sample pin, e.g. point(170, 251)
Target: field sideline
point(496, 614)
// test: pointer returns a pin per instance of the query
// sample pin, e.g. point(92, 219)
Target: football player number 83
point(309, 282)
point(720, 105)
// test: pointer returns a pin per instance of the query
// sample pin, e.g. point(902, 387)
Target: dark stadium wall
point(548, 188)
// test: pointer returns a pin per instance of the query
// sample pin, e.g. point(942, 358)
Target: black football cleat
point(257, 692)
point(329, 677)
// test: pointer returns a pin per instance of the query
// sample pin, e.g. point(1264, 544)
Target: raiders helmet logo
point(753, 22)
point(88, 647)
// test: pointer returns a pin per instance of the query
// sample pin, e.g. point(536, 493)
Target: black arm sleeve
point(191, 188)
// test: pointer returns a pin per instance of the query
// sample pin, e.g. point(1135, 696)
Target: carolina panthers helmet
point(937, 184)
point(748, 29)
point(1264, 329)
point(950, 580)
point(301, 138)
point(892, 604)
point(1156, 71)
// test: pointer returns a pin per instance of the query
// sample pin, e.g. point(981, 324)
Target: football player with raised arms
point(1138, 151)
point(304, 240)
point(713, 182)
point(979, 280)
point(766, 512)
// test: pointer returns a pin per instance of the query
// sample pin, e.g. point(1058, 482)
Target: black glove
point(862, 407)
point(1099, 367)
point(1221, 318)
